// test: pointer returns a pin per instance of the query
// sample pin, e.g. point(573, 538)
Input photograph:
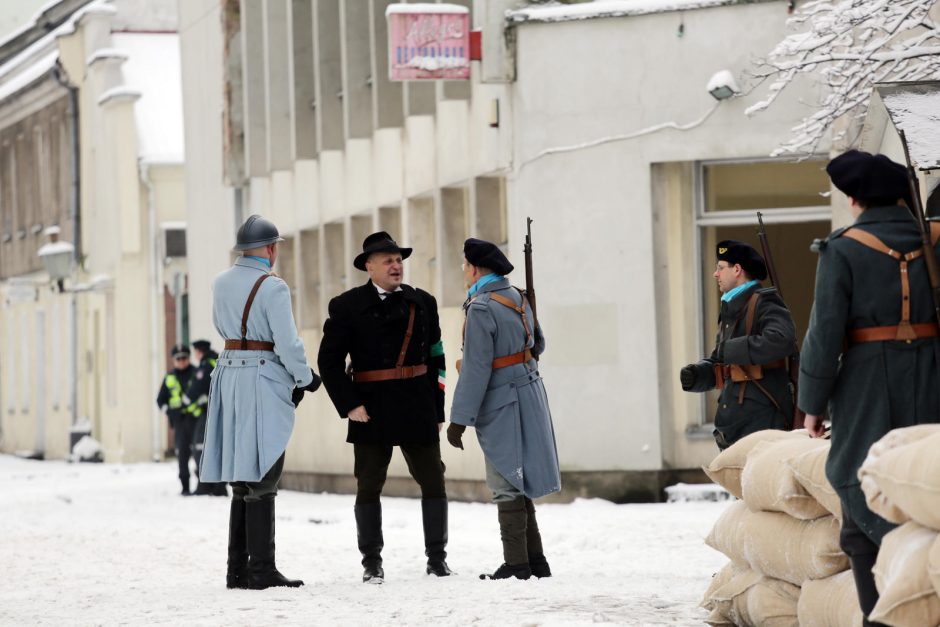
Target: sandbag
point(723, 576)
point(907, 597)
point(769, 484)
point(727, 466)
point(809, 469)
point(752, 599)
point(933, 565)
point(779, 546)
point(829, 602)
point(903, 483)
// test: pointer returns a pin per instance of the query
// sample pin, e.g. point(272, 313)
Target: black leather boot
point(434, 517)
point(533, 538)
point(262, 573)
point(512, 530)
point(371, 542)
point(237, 574)
point(865, 584)
point(185, 483)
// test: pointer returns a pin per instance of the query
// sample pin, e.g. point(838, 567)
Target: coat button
point(243, 362)
point(262, 361)
point(229, 362)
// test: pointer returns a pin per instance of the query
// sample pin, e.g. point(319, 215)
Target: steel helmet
point(255, 233)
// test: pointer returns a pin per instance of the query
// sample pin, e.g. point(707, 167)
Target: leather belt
point(248, 345)
point(389, 374)
point(890, 333)
point(511, 360)
point(750, 372)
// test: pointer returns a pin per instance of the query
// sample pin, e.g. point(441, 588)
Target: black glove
point(454, 433)
point(687, 377)
point(314, 384)
point(297, 395)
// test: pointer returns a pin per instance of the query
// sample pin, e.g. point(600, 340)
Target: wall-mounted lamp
point(57, 257)
point(722, 85)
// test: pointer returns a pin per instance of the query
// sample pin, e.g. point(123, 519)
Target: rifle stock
point(793, 361)
point(920, 217)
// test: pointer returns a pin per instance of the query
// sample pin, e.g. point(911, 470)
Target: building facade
point(597, 125)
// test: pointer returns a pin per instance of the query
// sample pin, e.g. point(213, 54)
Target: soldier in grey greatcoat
point(500, 394)
point(871, 356)
point(258, 380)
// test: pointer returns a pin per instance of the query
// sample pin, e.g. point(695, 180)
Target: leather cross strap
point(245, 344)
point(524, 355)
point(399, 371)
point(903, 331)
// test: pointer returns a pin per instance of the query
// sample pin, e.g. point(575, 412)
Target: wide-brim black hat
point(735, 252)
point(486, 255)
point(867, 177)
point(380, 242)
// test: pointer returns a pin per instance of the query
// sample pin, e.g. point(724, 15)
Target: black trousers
point(184, 429)
point(862, 552)
point(252, 491)
point(371, 468)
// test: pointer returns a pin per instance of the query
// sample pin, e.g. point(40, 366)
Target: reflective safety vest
point(176, 396)
point(194, 407)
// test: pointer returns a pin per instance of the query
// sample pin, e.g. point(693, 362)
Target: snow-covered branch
point(848, 45)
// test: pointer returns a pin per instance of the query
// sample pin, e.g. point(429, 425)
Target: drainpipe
point(155, 299)
point(75, 215)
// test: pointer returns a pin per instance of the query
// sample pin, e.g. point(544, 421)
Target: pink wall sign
point(428, 41)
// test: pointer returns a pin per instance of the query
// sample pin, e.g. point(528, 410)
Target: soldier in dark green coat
point(871, 356)
point(748, 363)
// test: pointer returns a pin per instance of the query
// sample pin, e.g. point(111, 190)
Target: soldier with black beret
point(501, 395)
point(756, 335)
point(392, 393)
point(871, 356)
point(180, 412)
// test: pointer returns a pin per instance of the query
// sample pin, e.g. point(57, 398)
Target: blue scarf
point(263, 260)
point(730, 294)
point(486, 279)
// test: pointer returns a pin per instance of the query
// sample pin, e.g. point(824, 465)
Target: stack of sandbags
point(901, 481)
point(784, 533)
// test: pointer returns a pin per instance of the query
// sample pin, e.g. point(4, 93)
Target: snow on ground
point(103, 544)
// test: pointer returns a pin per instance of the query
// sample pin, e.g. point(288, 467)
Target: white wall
point(594, 225)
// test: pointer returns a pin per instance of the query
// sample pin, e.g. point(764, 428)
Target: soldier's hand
point(314, 384)
point(359, 414)
point(814, 424)
point(687, 377)
point(296, 396)
point(454, 435)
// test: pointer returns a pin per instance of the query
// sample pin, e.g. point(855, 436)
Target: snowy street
point(101, 544)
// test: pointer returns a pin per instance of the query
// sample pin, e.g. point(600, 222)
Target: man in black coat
point(180, 413)
point(755, 336)
point(871, 356)
point(197, 393)
point(392, 393)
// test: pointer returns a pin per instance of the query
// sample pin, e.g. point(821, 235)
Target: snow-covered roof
point(914, 107)
point(153, 69)
point(424, 7)
point(557, 12)
point(28, 75)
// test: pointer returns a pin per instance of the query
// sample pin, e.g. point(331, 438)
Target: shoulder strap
point(751, 310)
point(404, 345)
point(867, 239)
point(519, 309)
point(251, 299)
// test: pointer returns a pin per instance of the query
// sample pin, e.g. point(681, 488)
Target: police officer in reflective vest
point(179, 412)
point(198, 393)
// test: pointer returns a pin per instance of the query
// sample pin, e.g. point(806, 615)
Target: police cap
point(202, 345)
point(735, 252)
point(179, 350)
point(486, 255)
point(255, 233)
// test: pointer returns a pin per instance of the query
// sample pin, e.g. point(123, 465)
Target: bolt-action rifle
point(529, 276)
point(793, 361)
point(920, 217)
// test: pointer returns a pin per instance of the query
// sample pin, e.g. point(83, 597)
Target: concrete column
point(329, 79)
point(387, 98)
point(254, 87)
point(278, 77)
point(454, 203)
point(357, 69)
point(303, 117)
